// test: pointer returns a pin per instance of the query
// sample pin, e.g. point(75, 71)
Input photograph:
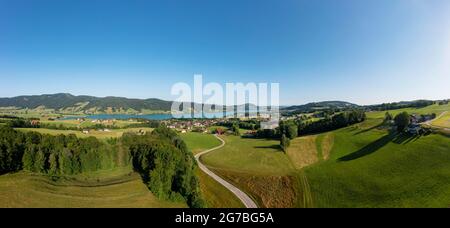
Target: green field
point(443, 121)
point(198, 142)
point(215, 194)
point(359, 166)
point(438, 109)
point(259, 168)
point(114, 133)
point(112, 188)
point(250, 155)
point(85, 124)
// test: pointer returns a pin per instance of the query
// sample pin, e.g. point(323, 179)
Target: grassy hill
point(358, 166)
point(316, 106)
point(198, 142)
point(259, 168)
point(372, 168)
point(111, 188)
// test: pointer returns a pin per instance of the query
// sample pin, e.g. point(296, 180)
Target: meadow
point(113, 133)
point(363, 165)
point(215, 194)
point(443, 121)
point(198, 142)
point(106, 189)
point(258, 167)
point(370, 167)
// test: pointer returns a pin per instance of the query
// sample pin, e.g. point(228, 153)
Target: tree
point(402, 120)
point(388, 117)
point(284, 143)
point(39, 162)
point(291, 131)
point(28, 158)
point(53, 160)
point(235, 129)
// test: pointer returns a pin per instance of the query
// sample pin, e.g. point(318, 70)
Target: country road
point(245, 199)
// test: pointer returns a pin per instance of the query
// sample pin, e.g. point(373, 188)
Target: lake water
point(148, 116)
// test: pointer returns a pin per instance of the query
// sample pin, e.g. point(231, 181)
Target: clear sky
point(362, 51)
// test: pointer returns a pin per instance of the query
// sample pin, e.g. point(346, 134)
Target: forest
point(161, 158)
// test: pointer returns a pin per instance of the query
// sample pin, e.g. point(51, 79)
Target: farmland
point(110, 188)
point(114, 133)
point(362, 165)
point(198, 142)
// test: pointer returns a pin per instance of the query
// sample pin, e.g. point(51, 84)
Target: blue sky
point(362, 51)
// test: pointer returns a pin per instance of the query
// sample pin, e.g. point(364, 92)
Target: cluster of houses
point(183, 126)
point(415, 127)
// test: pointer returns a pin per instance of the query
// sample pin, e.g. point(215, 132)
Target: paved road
point(246, 200)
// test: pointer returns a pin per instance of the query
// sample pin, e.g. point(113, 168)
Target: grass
point(443, 121)
point(362, 165)
point(250, 155)
point(199, 142)
point(438, 109)
point(215, 194)
point(114, 133)
point(85, 124)
point(303, 151)
point(110, 189)
point(258, 167)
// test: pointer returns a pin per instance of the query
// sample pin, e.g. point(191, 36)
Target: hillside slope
point(65, 101)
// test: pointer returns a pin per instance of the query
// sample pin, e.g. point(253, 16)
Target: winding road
point(245, 199)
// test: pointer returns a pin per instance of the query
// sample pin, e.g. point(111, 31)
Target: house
point(414, 129)
point(35, 122)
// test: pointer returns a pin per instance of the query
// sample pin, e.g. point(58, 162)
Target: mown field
point(359, 166)
point(106, 189)
point(443, 121)
point(372, 168)
point(258, 167)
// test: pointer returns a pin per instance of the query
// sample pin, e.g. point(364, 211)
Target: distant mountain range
point(68, 103)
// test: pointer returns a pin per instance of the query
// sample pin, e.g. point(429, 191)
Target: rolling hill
point(69, 102)
point(317, 106)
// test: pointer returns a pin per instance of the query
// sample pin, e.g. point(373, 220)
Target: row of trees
point(337, 121)
point(289, 130)
point(54, 155)
point(243, 124)
point(68, 155)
